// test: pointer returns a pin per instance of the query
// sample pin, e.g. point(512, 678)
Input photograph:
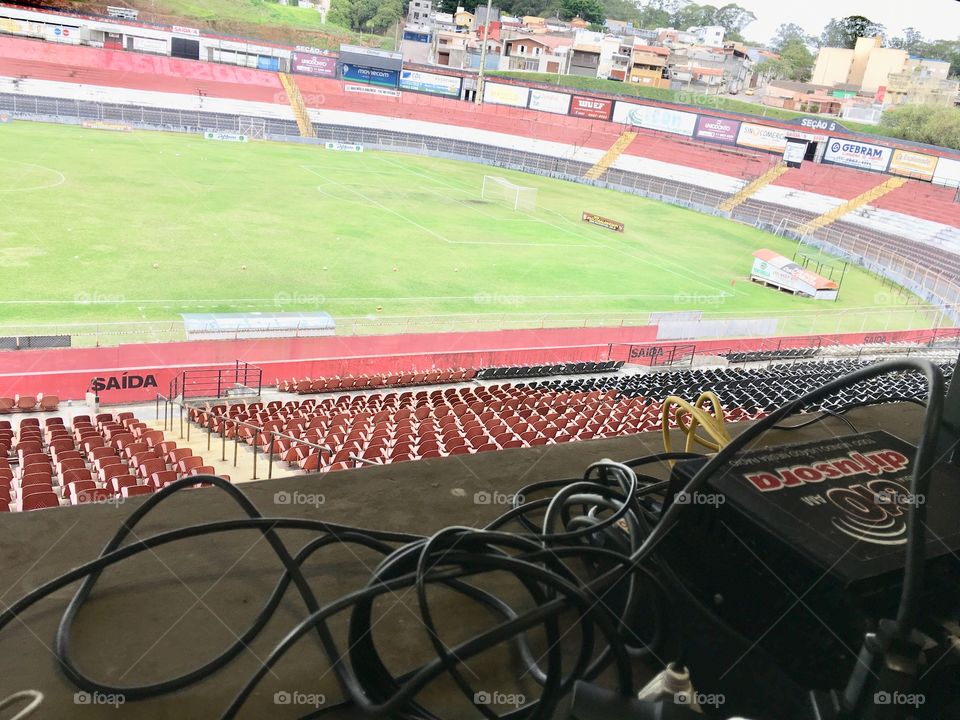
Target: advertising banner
point(344, 147)
point(717, 129)
point(771, 268)
point(762, 137)
point(150, 45)
point(268, 63)
point(5, 118)
point(857, 154)
point(603, 222)
point(367, 90)
point(947, 173)
point(369, 75)
point(655, 118)
point(225, 137)
point(107, 125)
point(796, 151)
point(915, 165)
point(551, 102)
point(312, 64)
point(499, 94)
point(425, 82)
point(593, 108)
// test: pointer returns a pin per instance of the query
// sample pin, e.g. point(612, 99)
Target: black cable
point(593, 553)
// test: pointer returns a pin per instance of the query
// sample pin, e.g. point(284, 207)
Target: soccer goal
point(518, 197)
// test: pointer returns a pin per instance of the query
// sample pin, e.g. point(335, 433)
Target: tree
point(786, 33)
point(795, 63)
point(590, 10)
point(924, 123)
point(733, 18)
point(370, 16)
point(694, 15)
point(912, 41)
point(843, 33)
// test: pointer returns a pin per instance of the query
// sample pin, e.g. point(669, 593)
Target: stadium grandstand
point(521, 401)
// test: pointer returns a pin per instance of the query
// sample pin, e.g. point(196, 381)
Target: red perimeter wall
point(68, 373)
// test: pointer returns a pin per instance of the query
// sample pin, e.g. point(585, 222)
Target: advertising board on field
point(717, 129)
point(500, 94)
point(851, 153)
point(914, 165)
point(431, 83)
point(651, 117)
point(551, 102)
point(592, 108)
point(370, 90)
point(313, 64)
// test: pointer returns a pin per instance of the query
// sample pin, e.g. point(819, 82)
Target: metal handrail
point(273, 434)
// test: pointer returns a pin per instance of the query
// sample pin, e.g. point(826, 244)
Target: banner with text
point(551, 102)
point(857, 154)
point(655, 118)
point(312, 64)
point(370, 75)
point(425, 82)
point(512, 95)
point(914, 165)
point(717, 129)
point(592, 108)
point(603, 222)
point(762, 137)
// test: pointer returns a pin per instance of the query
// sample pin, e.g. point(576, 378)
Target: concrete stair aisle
point(243, 472)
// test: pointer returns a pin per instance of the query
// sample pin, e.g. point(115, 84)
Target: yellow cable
point(689, 417)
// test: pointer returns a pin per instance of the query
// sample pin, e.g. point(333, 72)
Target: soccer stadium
point(492, 366)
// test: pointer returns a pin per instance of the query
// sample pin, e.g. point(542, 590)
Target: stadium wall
point(68, 373)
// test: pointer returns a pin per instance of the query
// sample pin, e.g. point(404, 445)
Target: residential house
point(648, 65)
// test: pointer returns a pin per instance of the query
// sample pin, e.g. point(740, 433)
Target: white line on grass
point(427, 230)
point(62, 179)
point(594, 241)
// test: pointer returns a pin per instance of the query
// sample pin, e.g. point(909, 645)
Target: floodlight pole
point(483, 54)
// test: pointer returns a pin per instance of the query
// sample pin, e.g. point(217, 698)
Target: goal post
point(518, 197)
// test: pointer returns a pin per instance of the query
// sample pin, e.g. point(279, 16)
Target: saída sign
point(123, 382)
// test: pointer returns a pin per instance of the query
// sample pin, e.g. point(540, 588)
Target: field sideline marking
point(58, 183)
point(722, 293)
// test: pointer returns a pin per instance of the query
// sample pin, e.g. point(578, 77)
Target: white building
point(709, 35)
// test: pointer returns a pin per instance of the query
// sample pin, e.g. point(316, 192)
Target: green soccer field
point(100, 226)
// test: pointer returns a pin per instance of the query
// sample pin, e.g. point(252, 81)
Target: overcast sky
point(936, 19)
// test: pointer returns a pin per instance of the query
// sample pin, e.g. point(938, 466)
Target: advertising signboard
point(655, 118)
point(717, 129)
point(592, 108)
point(865, 156)
point(313, 64)
point(551, 102)
point(432, 83)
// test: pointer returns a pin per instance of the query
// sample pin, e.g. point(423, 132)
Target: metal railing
point(227, 422)
point(218, 382)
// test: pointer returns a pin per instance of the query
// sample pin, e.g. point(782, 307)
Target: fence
point(240, 379)
point(938, 288)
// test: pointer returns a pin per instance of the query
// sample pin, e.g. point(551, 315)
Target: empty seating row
point(97, 460)
point(363, 382)
point(768, 355)
point(524, 371)
point(29, 403)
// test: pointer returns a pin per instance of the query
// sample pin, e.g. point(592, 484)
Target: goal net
point(518, 197)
